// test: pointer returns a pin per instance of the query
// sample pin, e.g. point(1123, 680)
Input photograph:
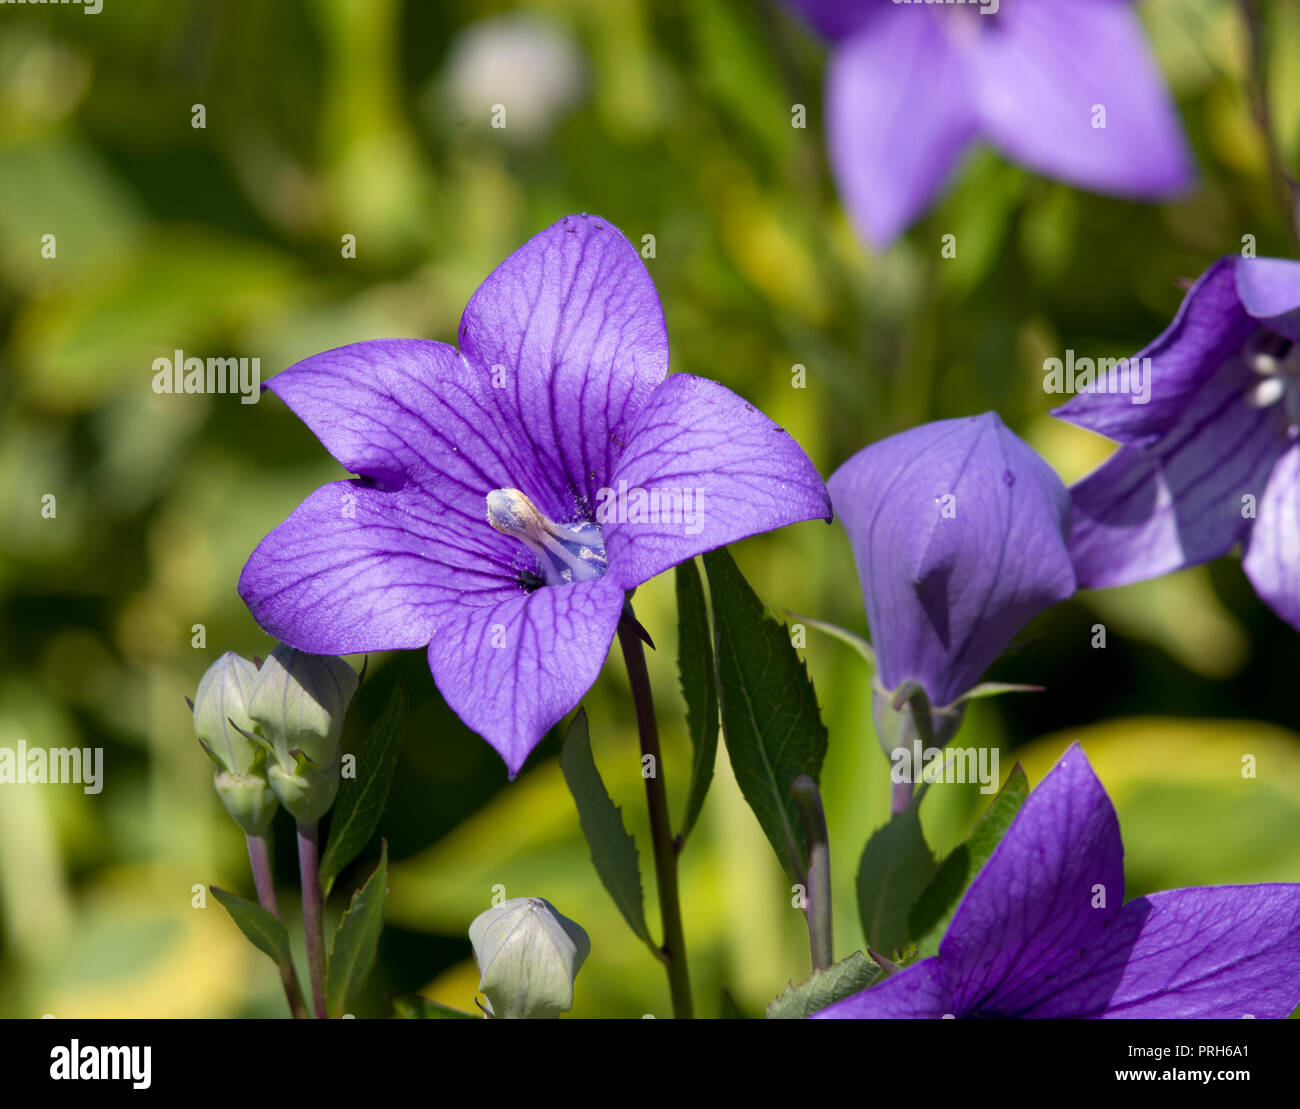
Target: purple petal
point(837, 18)
point(713, 468)
point(1033, 912)
point(1221, 951)
point(571, 326)
point(356, 569)
point(1270, 291)
point(408, 411)
point(1272, 560)
point(946, 592)
point(1043, 68)
point(512, 668)
point(892, 146)
point(1208, 331)
point(920, 992)
point(1144, 513)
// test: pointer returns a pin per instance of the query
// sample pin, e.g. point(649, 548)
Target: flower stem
point(900, 796)
point(259, 858)
point(1260, 97)
point(673, 951)
point(817, 909)
point(313, 910)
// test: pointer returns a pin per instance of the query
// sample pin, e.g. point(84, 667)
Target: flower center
point(565, 552)
point(1277, 381)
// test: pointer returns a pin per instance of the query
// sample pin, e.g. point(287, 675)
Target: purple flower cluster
point(512, 492)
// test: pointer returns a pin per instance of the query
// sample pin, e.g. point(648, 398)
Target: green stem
point(673, 951)
point(259, 858)
point(919, 706)
point(313, 910)
point(817, 909)
point(1259, 90)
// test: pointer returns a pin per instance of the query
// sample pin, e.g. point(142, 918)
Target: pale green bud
point(298, 702)
point(220, 711)
point(248, 798)
point(528, 955)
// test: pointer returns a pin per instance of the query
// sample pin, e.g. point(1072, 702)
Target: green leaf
point(825, 987)
point(727, 1007)
point(411, 1006)
point(995, 689)
point(865, 649)
point(361, 799)
point(770, 717)
point(266, 932)
point(356, 939)
point(930, 916)
point(699, 687)
point(613, 851)
point(895, 869)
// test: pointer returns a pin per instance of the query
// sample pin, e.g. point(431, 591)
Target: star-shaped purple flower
point(959, 532)
point(1065, 87)
point(511, 493)
point(1213, 458)
point(1043, 931)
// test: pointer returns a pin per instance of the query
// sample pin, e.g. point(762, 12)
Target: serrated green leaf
point(930, 916)
point(825, 987)
point(770, 717)
point(361, 800)
point(699, 687)
point(264, 931)
point(356, 939)
point(895, 869)
point(613, 850)
point(410, 1006)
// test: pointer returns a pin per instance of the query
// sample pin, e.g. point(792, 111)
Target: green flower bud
point(220, 711)
point(528, 955)
point(897, 728)
point(248, 798)
point(297, 703)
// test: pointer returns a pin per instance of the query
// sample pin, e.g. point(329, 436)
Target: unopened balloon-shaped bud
point(528, 955)
point(223, 727)
point(297, 703)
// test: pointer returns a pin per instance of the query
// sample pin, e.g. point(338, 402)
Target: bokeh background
point(670, 118)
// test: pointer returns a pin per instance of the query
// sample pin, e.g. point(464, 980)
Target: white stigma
point(1279, 381)
point(566, 553)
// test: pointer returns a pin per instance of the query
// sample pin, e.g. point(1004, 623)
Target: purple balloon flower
point(510, 493)
point(1213, 456)
point(959, 532)
point(1042, 931)
point(1065, 87)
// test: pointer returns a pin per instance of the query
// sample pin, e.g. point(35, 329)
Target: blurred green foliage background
point(670, 118)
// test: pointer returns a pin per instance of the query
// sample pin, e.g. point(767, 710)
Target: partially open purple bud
point(959, 531)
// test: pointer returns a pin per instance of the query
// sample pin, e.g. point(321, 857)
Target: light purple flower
point(1213, 458)
point(1042, 931)
point(910, 86)
point(506, 498)
point(959, 532)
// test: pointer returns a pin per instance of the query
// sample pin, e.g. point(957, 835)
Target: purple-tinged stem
point(259, 859)
point(673, 951)
point(313, 910)
point(817, 898)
